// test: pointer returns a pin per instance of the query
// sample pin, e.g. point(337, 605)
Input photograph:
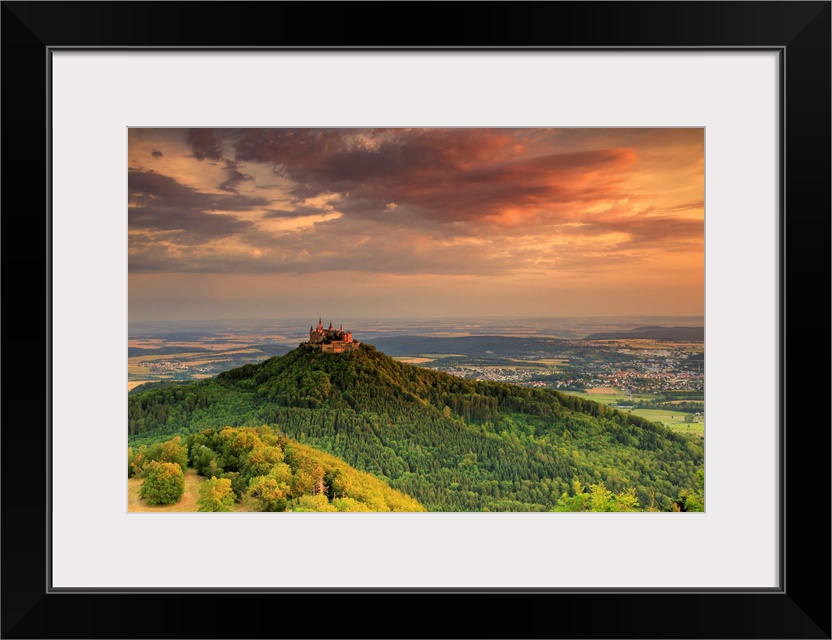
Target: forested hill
point(453, 444)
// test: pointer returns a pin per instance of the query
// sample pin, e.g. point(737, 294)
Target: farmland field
point(672, 419)
point(604, 395)
point(413, 360)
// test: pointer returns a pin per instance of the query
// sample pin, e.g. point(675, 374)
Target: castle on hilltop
point(331, 340)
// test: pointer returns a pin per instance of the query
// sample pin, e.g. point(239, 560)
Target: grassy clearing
point(604, 397)
point(673, 419)
point(187, 504)
point(434, 356)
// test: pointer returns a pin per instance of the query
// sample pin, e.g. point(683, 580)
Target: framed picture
point(755, 77)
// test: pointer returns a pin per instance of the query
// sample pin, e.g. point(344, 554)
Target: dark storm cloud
point(233, 178)
point(203, 144)
point(161, 203)
point(443, 174)
point(156, 154)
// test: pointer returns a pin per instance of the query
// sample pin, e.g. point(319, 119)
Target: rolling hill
point(452, 444)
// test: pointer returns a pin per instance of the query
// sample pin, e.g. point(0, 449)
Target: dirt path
point(187, 503)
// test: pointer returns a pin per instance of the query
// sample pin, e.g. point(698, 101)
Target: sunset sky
point(258, 223)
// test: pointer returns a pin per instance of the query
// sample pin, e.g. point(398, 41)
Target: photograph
point(416, 319)
point(441, 287)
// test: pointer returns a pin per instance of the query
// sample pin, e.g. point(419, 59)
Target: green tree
point(317, 502)
point(215, 495)
point(270, 494)
point(171, 451)
point(598, 498)
point(165, 484)
point(692, 500)
point(689, 501)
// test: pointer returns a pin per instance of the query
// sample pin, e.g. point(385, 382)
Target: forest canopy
point(450, 443)
point(264, 468)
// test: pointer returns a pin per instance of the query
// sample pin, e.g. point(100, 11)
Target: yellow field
point(187, 504)
point(136, 370)
point(132, 384)
point(169, 356)
point(146, 343)
point(253, 337)
point(213, 346)
point(412, 360)
point(603, 391)
point(650, 343)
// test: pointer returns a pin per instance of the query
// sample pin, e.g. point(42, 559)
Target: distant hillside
point(653, 333)
point(469, 345)
point(158, 384)
point(453, 444)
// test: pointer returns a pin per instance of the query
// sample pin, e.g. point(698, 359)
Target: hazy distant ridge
point(468, 345)
point(653, 333)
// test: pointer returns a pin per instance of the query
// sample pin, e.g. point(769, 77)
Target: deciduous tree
point(215, 495)
point(165, 484)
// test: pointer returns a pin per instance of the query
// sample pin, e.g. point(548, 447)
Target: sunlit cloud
point(622, 206)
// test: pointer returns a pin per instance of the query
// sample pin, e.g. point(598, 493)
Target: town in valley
point(660, 378)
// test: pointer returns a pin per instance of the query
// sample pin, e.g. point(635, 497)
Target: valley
point(537, 424)
point(659, 378)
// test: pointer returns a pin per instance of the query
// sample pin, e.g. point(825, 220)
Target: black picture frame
point(799, 608)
